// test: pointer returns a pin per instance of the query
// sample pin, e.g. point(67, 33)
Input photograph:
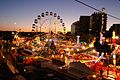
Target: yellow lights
point(55, 43)
point(74, 54)
point(117, 47)
point(3, 57)
point(102, 54)
point(13, 32)
point(103, 38)
point(72, 49)
point(50, 40)
point(38, 57)
point(91, 45)
point(117, 37)
point(66, 61)
point(27, 43)
point(16, 36)
point(83, 47)
point(93, 50)
point(25, 70)
point(114, 56)
point(68, 53)
point(107, 40)
point(53, 56)
point(94, 76)
point(26, 57)
point(12, 48)
point(46, 40)
point(78, 49)
point(33, 49)
point(114, 62)
point(113, 35)
point(22, 40)
point(39, 42)
point(67, 49)
point(61, 56)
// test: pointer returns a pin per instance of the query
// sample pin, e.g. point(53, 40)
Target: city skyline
point(20, 14)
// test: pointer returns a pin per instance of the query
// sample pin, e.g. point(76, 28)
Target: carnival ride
point(48, 22)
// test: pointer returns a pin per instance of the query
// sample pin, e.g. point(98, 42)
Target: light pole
point(78, 38)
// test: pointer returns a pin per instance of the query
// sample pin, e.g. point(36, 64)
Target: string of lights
point(96, 9)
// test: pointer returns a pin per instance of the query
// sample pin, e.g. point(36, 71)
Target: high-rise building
point(74, 28)
point(94, 24)
point(98, 23)
point(82, 26)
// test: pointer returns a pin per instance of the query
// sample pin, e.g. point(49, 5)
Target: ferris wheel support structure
point(39, 21)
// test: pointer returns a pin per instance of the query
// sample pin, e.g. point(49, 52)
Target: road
point(5, 73)
point(7, 69)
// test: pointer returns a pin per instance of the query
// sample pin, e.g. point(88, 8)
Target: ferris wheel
point(48, 22)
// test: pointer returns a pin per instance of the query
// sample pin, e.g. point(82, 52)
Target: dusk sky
point(23, 12)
